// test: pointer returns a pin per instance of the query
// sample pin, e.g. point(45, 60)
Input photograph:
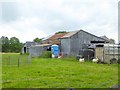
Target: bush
point(24, 53)
point(46, 54)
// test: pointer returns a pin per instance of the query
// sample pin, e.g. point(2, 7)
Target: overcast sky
point(28, 19)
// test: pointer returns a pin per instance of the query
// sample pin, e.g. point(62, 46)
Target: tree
point(12, 45)
point(5, 44)
point(15, 45)
point(37, 40)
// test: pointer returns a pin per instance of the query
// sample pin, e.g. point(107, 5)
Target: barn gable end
point(75, 41)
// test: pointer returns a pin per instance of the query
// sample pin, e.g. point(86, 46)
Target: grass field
point(58, 73)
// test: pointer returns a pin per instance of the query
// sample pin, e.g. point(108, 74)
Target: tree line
point(11, 45)
point(14, 45)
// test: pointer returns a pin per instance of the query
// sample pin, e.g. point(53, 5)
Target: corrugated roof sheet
point(56, 36)
point(69, 34)
point(41, 45)
point(45, 38)
point(106, 38)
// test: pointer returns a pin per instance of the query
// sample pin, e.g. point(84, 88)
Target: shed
point(37, 50)
point(107, 53)
point(27, 46)
point(74, 41)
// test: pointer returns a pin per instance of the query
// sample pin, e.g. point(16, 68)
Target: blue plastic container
point(55, 50)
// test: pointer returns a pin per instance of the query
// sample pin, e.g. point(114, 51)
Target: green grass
point(59, 73)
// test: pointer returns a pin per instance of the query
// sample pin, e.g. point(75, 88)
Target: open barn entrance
point(24, 49)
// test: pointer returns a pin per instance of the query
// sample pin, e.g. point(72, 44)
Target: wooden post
point(9, 60)
point(18, 61)
point(88, 57)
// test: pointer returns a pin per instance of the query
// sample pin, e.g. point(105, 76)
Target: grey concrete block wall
point(35, 51)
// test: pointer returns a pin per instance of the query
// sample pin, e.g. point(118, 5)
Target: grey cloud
point(9, 11)
point(58, 18)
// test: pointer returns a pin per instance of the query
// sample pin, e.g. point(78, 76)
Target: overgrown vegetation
point(46, 54)
point(60, 32)
point(59, 73)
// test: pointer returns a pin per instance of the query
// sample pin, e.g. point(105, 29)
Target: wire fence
point(18, 60)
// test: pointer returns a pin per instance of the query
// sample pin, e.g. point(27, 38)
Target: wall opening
point(24, 49)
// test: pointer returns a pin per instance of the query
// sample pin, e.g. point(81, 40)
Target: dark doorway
point(24, 49)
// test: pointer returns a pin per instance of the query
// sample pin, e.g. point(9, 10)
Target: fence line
point(16, 61)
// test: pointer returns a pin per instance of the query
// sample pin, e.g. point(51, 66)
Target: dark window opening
point(99, 45)
point(97, 41)
point(48, 48)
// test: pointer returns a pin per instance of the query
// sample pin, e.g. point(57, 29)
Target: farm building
point(107, 53)
point(70, 43)
point(27, 46)
point(37, 50)
point(74, 41)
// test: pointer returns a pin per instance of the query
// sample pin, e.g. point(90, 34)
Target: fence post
point(88, 57)
point(9, 60)
point(18, 61)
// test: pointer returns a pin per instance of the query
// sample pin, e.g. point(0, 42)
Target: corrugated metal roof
point(41, 45)
point(56, 36)
point(106, 38)
point(45, 38)
point(69, 34)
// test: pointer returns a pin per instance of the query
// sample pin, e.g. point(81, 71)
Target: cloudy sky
point(28, 19)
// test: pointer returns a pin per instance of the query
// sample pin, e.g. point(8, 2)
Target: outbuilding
point(107, 53)
point(27, 46)
point(37, 50)
point(74, 41)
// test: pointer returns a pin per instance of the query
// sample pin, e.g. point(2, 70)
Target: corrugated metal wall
point(108, 53)
point(65, 46)
point(72, 45)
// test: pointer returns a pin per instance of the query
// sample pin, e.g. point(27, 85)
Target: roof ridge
point(92, 34)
